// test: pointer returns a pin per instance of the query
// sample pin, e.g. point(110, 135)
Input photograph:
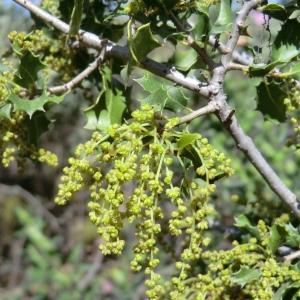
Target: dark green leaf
point(270, 101)
point(76, 18)
point(275, 10)
point(289, 34)
point(261, 69)
point(29, 67)
point(280, 293)
point(243, 222)
point(36, 126)
point(142, 43)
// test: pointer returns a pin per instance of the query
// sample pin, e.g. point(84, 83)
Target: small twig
point(245, 59)
point(61, 89)
point(236, 66)
point(191, 41)
point(292, 256)
point(238, 24)
point(211, 107)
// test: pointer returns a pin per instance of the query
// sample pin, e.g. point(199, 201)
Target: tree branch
point(211, 107)
point(292, 256)
point(214, 91)
point(61, 89)
point(191, 41)
point(229, 121)
point(237, 26)
point(91, 40)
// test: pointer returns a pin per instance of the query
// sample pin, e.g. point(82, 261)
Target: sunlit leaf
point(245, 275)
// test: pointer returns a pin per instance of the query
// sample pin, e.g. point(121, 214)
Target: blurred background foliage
point(48, 252)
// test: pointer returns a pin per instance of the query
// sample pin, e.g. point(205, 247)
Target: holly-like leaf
point(142, 43)
point(109, 106)
point(275, 10)
point(270, 101)
point(293, 236)
point(243, 222)
point(289, 34)
point(30, 106)
point(276, 237)
point(245, 275)
point(224, 20)
point(187, 139)
point(36, 126)
point(201, 25)
point(162, 94)
point(5, 111)
point(284, 288)
point(29, 67)
point(185, 58)
point(260, 70)
point(76, 18)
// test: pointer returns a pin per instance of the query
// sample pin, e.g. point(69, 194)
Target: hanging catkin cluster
point(132, 173)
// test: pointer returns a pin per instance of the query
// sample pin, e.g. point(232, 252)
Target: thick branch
point(246, 145)
point(93, 41)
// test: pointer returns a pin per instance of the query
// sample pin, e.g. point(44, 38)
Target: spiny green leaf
point(275, 11)
point(289, 34)
point(293, 236)
point(245, 275)
point(36, 126)
point(261, 69)
point(187, 139)
point(76, 18)
point(162, 93)
point(109, 106)
point(185, 58)
point(5, 111)
point(201, 27)
point(30, 106)
point(243, 222)
point(224, 20)
point(29, 67)
point(270, 101)
point(275, 238)
point(142, 43)
point(282, 291)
